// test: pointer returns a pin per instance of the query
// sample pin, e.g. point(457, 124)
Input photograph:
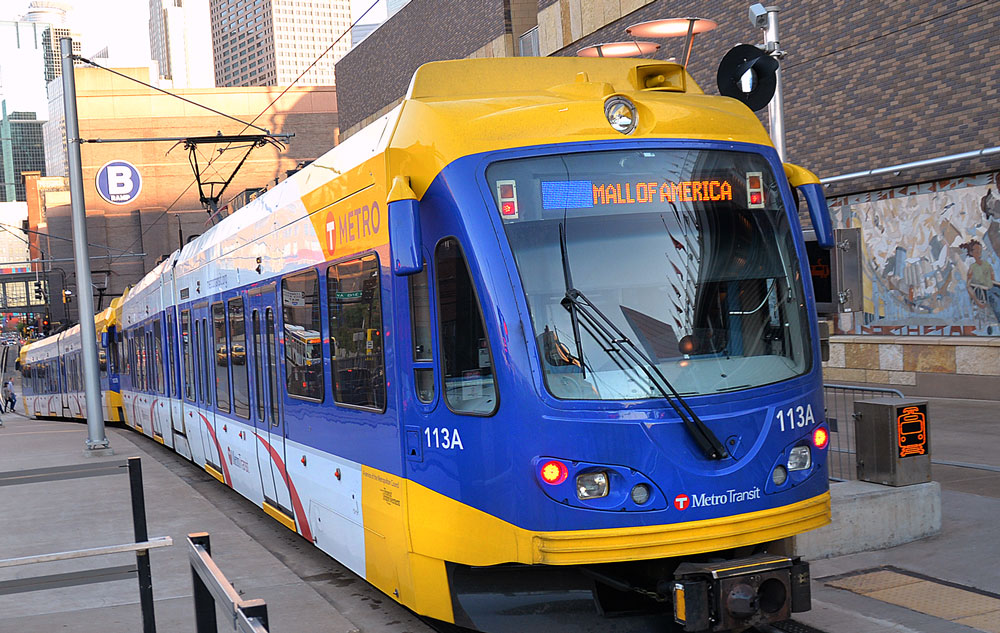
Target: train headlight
point(799, 458)
point(592, 485)
point(640, 494)
point(621, 114)
point(779, 475)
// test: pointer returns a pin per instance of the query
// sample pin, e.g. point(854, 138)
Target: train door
point(206, 389)
point(268, 420)
point(188, 404)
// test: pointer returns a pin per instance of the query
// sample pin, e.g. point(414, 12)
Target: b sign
point(119, 182)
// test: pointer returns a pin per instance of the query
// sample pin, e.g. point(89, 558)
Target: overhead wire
point(248, 125)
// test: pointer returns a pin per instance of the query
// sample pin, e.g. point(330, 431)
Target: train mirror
point(748, 74)
point(809, 187)
point(404, 228)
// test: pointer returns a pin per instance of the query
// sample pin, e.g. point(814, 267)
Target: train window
point(158, 357)
point(420, 315)
point(258, 352)
point(303, 338)
point(206, 363)
point(238, 358)
point(221, 357)
point(186, 353)
point(468, 364)
point(168, 352)
point(355, 312)
point(199, 370)
point(272, 362)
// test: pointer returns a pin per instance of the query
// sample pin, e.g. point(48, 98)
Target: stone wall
point(952, 367)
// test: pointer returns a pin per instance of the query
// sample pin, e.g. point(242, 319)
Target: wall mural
point(931, 257)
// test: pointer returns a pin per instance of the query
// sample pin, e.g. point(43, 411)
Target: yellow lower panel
point(158, 438)
point(211, 471)
point(279, 516)
point(417, 581)
point(486, 540)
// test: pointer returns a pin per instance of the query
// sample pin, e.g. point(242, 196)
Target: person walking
point(8, 395)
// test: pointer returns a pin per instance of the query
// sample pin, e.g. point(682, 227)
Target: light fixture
point(621, 114)
point(619, 49)
point(673, 27)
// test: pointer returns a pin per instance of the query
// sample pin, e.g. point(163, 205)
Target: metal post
point(775, 109)
point(141, 535)
point(204, 602)
point(96, 438)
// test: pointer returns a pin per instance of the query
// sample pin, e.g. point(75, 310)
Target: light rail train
point(534, 349)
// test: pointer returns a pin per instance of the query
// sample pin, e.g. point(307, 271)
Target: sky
point(123, 25)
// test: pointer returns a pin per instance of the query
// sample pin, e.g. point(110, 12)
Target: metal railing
point(839, 401)
point(141, 547)
point(211, 586)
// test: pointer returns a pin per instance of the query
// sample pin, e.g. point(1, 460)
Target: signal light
point(755, 190)
point(554, 472)
point(820, 437)
point(507, 196)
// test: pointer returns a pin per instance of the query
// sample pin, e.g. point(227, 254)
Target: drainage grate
point(946, 600)
point(790, 626)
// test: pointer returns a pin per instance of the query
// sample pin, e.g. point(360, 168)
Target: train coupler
point(737, 594)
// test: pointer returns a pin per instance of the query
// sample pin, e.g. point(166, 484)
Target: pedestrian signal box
point(893, 441)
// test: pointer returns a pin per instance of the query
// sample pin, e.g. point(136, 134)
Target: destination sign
point(583, 194)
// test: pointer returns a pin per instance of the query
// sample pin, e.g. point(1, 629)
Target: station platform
point(947, 583)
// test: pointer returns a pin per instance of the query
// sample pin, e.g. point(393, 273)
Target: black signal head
point(740, 60)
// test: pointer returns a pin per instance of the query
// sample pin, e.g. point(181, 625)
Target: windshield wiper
point(568, 279)
point(616, 341)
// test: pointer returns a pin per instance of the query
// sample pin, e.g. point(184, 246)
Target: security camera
point(758, 16)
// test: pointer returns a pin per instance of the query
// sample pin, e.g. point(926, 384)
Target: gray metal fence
point(839, 401)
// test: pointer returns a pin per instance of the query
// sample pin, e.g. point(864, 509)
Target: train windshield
point(686, 253)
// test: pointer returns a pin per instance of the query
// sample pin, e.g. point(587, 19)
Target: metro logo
point(350, 226)
point(682, 501)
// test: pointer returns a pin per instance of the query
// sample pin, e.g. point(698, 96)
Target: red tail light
point(820, 437)
point(554, 472)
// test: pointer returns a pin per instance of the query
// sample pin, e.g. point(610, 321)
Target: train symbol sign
point(119, 182)
point(682, 501)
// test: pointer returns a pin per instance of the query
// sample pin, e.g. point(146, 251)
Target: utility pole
point(97, 441)
point(766, 19)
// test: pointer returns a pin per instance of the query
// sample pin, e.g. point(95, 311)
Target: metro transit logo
point(682, 501)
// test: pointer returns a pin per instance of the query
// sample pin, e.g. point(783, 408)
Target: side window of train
point(467, 370)
point(258, 361)
point(221, 357)
point(303, 335)
point(206, 362)
point(238, 358)
point(354, 303)
point(158, 366)
point(169, 362)
point(272, 368)
point(423, 350)
point(186, 353)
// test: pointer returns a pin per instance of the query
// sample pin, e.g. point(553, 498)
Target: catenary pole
point(96, 438)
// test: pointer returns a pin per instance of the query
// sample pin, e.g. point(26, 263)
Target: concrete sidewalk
point(948, 583)
point(304, 589)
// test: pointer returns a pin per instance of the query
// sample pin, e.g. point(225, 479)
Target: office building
point(134, 236)
point(180, 40)
point(272, 42)
point(21, 149)
point(53, 15)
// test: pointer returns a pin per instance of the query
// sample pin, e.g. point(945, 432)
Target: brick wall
point(378, 71)
point(867, 84)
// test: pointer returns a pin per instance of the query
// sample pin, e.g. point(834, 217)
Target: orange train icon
point(912, 430)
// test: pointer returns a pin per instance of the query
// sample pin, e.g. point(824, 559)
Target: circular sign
point(682, 501)
point(119, 182)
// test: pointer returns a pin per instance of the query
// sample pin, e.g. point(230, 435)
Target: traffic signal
point(38, 291)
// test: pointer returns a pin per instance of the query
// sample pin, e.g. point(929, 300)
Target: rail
point(141, 547)
point(839, 401)
point(211, 588)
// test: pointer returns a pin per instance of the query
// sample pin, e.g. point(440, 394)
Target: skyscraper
point(270, 42)
point(24, 151)
point(53, 14)
point(180, 40)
